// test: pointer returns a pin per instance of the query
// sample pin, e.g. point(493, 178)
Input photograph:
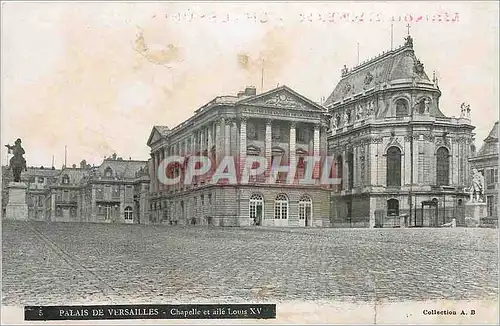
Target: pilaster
point(268, 144)
point(243, 141)
point(292, 151)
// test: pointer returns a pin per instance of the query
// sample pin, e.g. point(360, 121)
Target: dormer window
point(108, 172)
point(65, 179)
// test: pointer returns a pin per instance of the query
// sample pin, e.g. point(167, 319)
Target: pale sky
point(74, 74)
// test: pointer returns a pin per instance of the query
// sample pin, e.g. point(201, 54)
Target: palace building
point(401, 160)
point(116, 191)
point(278, 124)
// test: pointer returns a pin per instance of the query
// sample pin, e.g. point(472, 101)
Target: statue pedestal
point(17, 209)
point(474, 212)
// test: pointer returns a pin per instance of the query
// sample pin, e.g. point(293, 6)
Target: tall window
point(305, 207)
point(350, 167)
point(401, 108)
point(393, 207)
point(442, 167)
point(281, 207)
point(128, 213)
point(393, 167)
point(256, 206)
point(339, 166)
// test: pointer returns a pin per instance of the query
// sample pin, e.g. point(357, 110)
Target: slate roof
point(76, 175)
point(490, 144)
point(122, 168)
point(398, 64)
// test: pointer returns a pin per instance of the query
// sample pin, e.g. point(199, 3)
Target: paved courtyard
point(66, 263)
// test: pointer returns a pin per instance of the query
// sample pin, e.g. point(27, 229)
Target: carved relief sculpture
point(251, 132)
point(427, 103)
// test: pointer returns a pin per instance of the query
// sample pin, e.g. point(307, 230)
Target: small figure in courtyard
point(17, 162)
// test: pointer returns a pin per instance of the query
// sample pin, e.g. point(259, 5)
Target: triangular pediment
point(154, 137)
point(283, 97)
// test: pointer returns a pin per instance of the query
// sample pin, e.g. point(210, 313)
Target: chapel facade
point(401, 160)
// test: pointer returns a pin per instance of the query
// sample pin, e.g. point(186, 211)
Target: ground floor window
point(392, 207)
point(128, 213)
point(491, 205)
point(256, 208)
point(281, 207)
point(305, 208)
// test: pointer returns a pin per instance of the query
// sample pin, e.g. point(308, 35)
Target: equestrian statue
point(17, 162)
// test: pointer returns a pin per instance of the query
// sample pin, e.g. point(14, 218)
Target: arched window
point(305, 208)
point(393, 167)
point(256, 208)
point(108, 172)
point(339, 166)
point(281, 207)
point(401, 108)
point(128, 213)
point(65, 179)
point(350, 167)
point(393, 207)
point(442, 167)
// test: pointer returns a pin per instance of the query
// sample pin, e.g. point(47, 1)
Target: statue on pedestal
point(477, 187)
point(17, 162)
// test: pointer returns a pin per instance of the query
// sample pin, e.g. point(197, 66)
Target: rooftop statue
point(17, 162)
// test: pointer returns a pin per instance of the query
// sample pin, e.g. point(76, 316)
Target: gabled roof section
point(283, 97)
point(398, 64)
point(490, 144)
point(157, 133)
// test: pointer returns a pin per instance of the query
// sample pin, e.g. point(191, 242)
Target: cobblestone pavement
point(65, 263)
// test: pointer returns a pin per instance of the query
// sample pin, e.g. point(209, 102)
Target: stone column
point(316, 149)
point(243, 141)
point(268, 144)
point(218, 141)
point(345, 171)
point(455, 169)
point(292, 155)
point(355, 166)
point(415, 160)
point(407, 161)
point(210, 138)
point(227, 137)
point(202, 139)
point(234, 137)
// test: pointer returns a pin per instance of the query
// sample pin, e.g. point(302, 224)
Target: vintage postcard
point(250, 162)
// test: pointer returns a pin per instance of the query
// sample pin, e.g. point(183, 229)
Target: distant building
point(114, 192)
point(396, 152)
point(486, 162)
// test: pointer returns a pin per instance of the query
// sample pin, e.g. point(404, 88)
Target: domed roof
point(398, 64)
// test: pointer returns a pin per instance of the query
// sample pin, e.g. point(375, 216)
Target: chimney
point(114, 156)
point(242, 93)
point(250, 91)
